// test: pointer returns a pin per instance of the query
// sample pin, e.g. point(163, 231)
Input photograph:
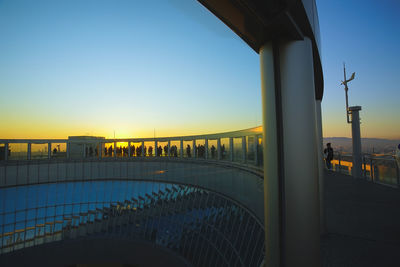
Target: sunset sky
point(82, 67)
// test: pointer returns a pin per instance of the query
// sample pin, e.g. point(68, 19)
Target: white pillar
point(300, 159)
point(155, 148)
point(206, 147)
point(194, 148)
point(100, 150)
point(6, 151)
point(231, 148)
point(29, 151)
point(68, 150)
point(270, 148)
point(129, 149)
point(219, 149)
point(115, 149)
point(321, 167)
point(356, 136)
point(244, 150)
point(143, 155)
point(181, 152)
point(49, 150)
point(169, 148)
point(84, 150)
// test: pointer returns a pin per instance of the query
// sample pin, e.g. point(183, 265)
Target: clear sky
point(78, 67)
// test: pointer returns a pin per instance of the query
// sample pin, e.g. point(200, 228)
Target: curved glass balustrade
point(203, 226)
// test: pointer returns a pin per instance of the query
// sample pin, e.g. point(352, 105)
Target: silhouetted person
point(328, 153)
point(91, 151)
point(139, 151)
point(110, 151)
point(166, 150)
point(105, 151)
point(212, 151)
point(188, 151)
point(55, 151)
point(223, 152)
point(150, 151)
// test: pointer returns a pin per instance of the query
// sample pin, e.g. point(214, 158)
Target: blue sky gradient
point(92, 67)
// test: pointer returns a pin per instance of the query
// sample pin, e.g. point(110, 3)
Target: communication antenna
point(346, 89)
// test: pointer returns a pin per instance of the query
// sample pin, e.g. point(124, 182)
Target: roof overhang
point(261, 21)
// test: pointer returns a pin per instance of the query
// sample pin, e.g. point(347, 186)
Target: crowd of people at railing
point(139, 151)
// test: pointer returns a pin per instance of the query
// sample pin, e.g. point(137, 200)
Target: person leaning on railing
point(328, 154)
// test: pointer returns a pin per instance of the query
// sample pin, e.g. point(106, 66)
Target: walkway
point(363, 222)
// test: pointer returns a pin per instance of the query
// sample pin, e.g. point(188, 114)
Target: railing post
point(143, 155)
point(169, 148)
point(340, 162)
point(129, 149)
point(155, 148)
point(29, 151)
point(181, 152)
point(231, 148)
point(244, 148)
point(68, 148)
point(100, 150)
point(206, 147)
point(6, 151)
point(194, 148)
point(49, 150)
point(115, 149)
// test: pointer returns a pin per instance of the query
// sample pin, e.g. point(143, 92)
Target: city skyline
point(171, 67)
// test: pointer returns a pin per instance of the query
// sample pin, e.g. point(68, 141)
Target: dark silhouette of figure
point(188, 151)
point(110, 151)
point(150, 151)
point(213, 151)
point(145, 151)
point(91, 151)
point(139, 151)
point(223, 152)
point(55, 151)
point(328, 153)
point(159, 151)
point(166, 150)
point(96, 152)
point(105, 151)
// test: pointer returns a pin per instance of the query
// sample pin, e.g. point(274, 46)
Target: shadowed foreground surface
point(363, 223)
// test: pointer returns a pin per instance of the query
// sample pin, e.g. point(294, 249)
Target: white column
point(143, 155)
point(270, 148)
point(356, 136)
point(206, 147)
point(129, 149)
point(115, 149)
point(155, 148)
point(49, 150)
point(231, 148)
point(194, 148)
point(100, 150)
point(244, 150)
point(219, 155)
point(169, 148)
point(300, 159)
point(29, 151)
point(320, 165)
point(68, 150)
point(181, 145)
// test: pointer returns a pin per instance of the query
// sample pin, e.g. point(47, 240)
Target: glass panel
point(164, 148)
point(260, 154)
point(39, 151)
point(187, 149)
point(250, 148)
point(212, 149)
point(175, 148)
point(122, 149)
point(237, 149)
point(200, 148)
point(108, 150)
point(59, 150)
point(17, 151)
point(225, 149)
point(149, 149)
